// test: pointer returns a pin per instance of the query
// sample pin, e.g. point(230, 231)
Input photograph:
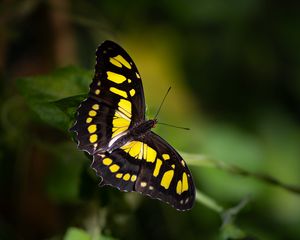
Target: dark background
point(234, 68)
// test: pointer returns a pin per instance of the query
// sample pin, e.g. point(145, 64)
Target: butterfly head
point(154, 123)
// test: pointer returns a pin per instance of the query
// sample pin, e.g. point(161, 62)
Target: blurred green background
point(234, 68)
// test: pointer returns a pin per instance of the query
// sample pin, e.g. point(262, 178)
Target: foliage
point(55, 97)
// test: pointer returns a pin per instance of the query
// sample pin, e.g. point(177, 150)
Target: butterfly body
point(111, 126)
point(135, 133)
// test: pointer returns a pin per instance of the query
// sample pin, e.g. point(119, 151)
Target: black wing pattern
point(115, 102)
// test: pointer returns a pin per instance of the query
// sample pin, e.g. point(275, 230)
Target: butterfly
point(111, 126)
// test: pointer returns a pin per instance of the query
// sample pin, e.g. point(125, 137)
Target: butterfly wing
point(116, 169)
point(115, 101)
point(164, 175)
point(150, 166)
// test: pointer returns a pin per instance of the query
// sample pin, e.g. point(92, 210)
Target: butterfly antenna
point(162, 102)
point(170, 125)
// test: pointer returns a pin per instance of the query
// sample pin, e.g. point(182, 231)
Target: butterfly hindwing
point(150, 166)
point(115, 102)
point(117, 169)
point(164, 174)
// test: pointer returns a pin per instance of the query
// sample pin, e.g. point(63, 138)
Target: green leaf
point(70, 104)
point(54, 97)
point(76, 234)
point(80, 234)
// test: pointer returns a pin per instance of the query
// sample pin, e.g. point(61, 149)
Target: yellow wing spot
point(114, 168)
point(129, 81)
point(107, 161)
point(157, 167)
point(115, 77)
point(93, 138)
point(97, 92)
point(120, 122)
point(179, 187)
point(166, 156)
point(115, 62)
point(132, 92)
point(89, 120)
point(136, 148)
point(118, 92)
point(92, 113)
point(143, 184)
point(117, 130)
point(98, 83)
point(151, 187)
point(137, 75)
point(167, 178)
point(127, 146)
point(185, 184)
point(126, 176)
point(92, 128)
point(133, 178)
point(123, 61)
point(173, 166)
point(182, 163)
point(125, 105)
point(119, 175)
point(95, 107)
point(150, 154)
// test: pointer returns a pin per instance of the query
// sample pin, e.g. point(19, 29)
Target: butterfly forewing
point(116, 77)
point(115, 102)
